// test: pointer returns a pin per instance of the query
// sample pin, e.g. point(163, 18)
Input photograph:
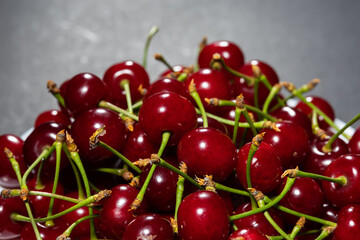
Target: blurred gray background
point(47, 39)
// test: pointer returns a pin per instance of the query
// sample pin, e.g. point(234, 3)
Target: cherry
point(330, 212)
point(166, 84)
point(8, 177)
point(87, 123)
point(203, 215)
point(348, 223)
point(46, 233)
point(258, 221)
point(348, 166)
point(83, 92)
point(10, 229)
point(115, 214)
point(210, 83)
point(322, 104)
point(265, 170)
point(247, 233)
point(291, 143)
point(230, 52)
point(212, 123)
point(41, 138)
point(207, 151)
point(354, 143)
point(52, 116)
point(149, 226)
point(130, 71)
point(167, 112)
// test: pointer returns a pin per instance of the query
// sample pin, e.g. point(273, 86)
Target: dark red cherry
point(115, 214)
point(207, 151)
point(83, 92)
point(241, 87)
point(347, 165)
point(127, 70)
point(291, 143)
point(46, 233)
point(265, 170)
point(330, 212)
point(318, 160)
point(41, 138)
point(293, 115)
point(203, 215)
point(348, 225)
point(161, 191)
point(354, 143)
point(40, 204)
point(167, 112)
point(210, 83)
point(247, 233)
point(149, 226)
point(10, 229)
point(52, 116)
point(322, 104)
point(8, 177)
point(87, 123)
point(258, 221)
point(166, 84)
point(230, 52)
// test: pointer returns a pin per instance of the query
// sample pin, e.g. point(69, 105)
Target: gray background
point(43, 39)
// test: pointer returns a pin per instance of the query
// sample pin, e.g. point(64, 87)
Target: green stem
point(125, 84)
point(263, 79)
point(39, 184)
point(302, 233)
point(195, 95)
point(179, 194)
point(221, 187)
point(136, 105)
point(341, 180)
point(256, 93)
point(32, 221)
point(249, 120)
point(273, 92)
point(116, 109)
point(68, 231)
point(16, 192)
point(151, 34)
point(325, 233)
point(15, 165)
point(236, 123)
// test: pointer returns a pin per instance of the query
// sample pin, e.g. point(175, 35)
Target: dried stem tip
point(203, 43)
point(94, 139)
point(212, 101)
point(256, 71)
point(129, 123)
point(258, 195)
point(329, 229)
point(240, 102)
point(60, 136)
point(158, 56)
point(312, 84)
point(192, 87)
point(288, 86)
point(135, 205)
point(291, 173)
point(6, 193)
point(142, 90)
point(207, 182)
point(63, 236)
point(154, 158)
point(70, 144)
point(51, 86)
point(9, 154)
point(271, 125)
point(301, 222)
point(135, 182)
point(101, 195)
point(183, 167)
point(258, 139)
point(24, 194)
point(141, 163)
point(320, 133)
point(127, 175)
point(174, 225)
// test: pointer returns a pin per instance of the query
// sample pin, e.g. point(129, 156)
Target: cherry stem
point(236, 125)
point(195, 95)
point(325, 233)
point(182, 76)
point(125, 84)
point(273, 92)
point(293, 173)
point(221, 187)
point(119, 155)
point(179, 189)
point(121, 172)
point(136, 105)
point(67, 232)
point(161, 58)
point(256, 93)
point(39, 184)
point(327, 146)
point(298, 226)
point(271, 203)
point(105, 104)
point(17, 192)
point(55, 91)
point(32, 221)
point(14, 164)
point(151, 34)
point(302, 233)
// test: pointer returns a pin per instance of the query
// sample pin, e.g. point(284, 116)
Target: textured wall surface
point(48, 39)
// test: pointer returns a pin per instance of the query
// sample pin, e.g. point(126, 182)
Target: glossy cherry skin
point(161, 191)
point(354, 143)
point(39, 204)
point(247, 233)
point(265, 170)
point(318, 160)
point(149, 226)
point(203, 215)
point(330, 212)
point(10, 229)
point(207, 151)
point(347, 165)
point(167, 112)
point(230, 52)
point(41, 138)
point(115, 214)
point(15, 144)
point(46, 233)
point(291, 143)
point(87, 123)
point(210, 83)
point(293, 115)
point(166, 84)
point(322, 104)
point(240, 85)
point(83, 92)
point(212, 123)
point(127, 70)
point(258, 221)
point(52, 116)
point(348, 225)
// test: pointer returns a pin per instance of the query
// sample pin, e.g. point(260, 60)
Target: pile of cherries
point(210, 151)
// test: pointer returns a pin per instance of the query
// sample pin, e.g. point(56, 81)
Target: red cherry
point(10, 229)
point(167, 112)
point(149, 226)
point(115, 214)
point(46, 233)
point(265, 170)
point(127, 70)
point(291, 143)
point(347, 165)
point(348, 225)
point(322, 104)
point(166, 84)
point(87, 123)
point(83, 92)
point(247, 233)
point(52, 116)
point(203, 215)
point(354, 143)
point(212, 123)
point(8, 177)
point(330, 212)
point(207, 151)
